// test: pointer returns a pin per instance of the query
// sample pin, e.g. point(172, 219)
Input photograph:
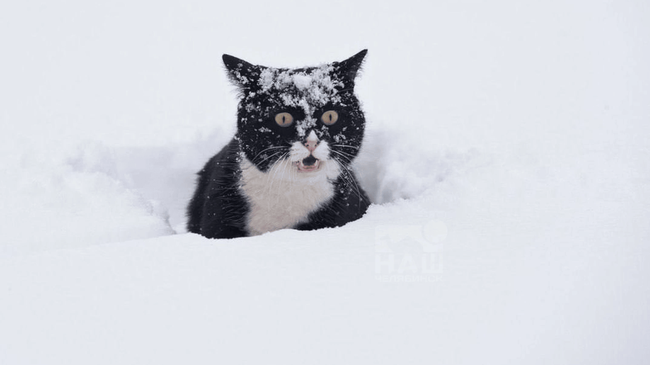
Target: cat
point(289, 164)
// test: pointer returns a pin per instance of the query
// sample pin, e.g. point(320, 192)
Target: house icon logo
point(408, 253)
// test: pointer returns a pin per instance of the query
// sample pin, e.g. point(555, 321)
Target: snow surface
point(506, 155)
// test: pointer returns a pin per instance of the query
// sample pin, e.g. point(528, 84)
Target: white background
point(519, 129)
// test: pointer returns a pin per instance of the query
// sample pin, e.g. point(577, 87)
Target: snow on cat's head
point(280, 108)
point(307, 89)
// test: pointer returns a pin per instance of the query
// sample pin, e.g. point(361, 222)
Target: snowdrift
point(506, 157)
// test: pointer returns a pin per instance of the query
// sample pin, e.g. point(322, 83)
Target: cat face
point(308, 118)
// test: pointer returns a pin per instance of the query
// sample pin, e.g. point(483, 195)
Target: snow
point(506, 154)
point(302, 81)
point(299, 89)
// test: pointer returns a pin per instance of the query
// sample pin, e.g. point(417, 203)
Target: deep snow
point(506, 155)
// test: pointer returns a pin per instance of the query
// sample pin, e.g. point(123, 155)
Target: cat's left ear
point(241, 73)
point(349, 68)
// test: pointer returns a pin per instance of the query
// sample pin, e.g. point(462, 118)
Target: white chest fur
point(283, 197)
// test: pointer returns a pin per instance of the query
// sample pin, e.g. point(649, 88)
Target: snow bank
point(72, 197)
point(391, 167)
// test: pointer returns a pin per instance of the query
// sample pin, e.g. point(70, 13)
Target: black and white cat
point(288, 165)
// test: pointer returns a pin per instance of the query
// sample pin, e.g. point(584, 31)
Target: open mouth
point(308, 164)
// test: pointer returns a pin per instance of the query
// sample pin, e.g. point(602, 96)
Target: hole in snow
point(392, 166)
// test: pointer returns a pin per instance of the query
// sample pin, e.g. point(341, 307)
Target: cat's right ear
point(243, 74)
point(347, 70)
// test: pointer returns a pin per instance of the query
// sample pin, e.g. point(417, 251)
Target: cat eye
point(284, 119)
point(330, 117)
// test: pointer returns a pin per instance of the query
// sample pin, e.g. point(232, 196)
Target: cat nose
point(311, 145)
point(312, 141)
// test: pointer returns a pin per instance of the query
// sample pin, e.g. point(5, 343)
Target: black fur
point(219, 208)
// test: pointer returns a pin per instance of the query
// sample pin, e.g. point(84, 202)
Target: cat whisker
point(266, 157)
point(346, 156)
point(292, 172)
point(266, 149)
point(346, 145)
point(272, 178)
point(348, 178)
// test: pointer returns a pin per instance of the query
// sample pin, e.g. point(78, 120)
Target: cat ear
point(349, 68)
point(241, 73)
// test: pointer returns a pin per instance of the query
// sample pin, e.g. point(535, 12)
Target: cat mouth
point(308, 164)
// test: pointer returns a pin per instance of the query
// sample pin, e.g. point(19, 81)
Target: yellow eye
point(330, 117)
point(284, 119)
